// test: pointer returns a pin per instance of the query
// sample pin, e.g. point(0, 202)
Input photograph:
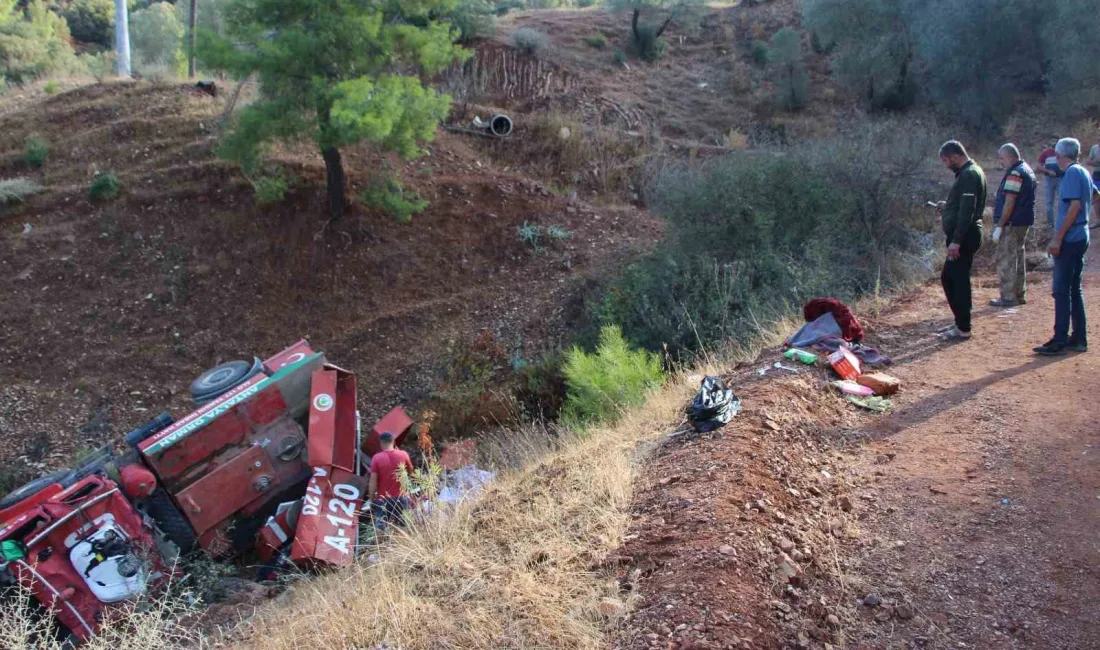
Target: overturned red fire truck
point(273, 459)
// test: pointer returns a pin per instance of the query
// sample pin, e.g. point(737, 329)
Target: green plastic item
point(12, 550)
point(808, 358)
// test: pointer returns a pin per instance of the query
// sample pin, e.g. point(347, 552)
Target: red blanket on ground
point(849, 326)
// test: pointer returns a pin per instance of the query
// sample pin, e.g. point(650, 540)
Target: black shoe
point(1077, 346)
point(1051, 349)
point(1021, 301)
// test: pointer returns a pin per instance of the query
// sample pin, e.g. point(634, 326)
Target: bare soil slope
point(109, 308)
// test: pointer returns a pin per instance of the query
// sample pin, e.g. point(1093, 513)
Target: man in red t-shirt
point(385, 493)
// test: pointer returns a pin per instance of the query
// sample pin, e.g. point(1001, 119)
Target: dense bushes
point(601, 384)
point(33, 43)
point(790, 81)
point(529, 41)
point(156, 38)
point(752, 236)
point(91, 21)
point(971, 58)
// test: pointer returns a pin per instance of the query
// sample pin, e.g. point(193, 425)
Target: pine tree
point(337, 72)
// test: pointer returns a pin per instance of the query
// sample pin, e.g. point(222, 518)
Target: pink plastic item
point(852, 388)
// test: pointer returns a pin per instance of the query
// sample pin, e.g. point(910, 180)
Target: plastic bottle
point(808, 358)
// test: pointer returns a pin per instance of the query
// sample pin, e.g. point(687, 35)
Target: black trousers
point(956, 280)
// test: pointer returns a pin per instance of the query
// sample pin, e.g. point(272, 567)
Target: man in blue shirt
point(1013, 214)
point(1068, 247)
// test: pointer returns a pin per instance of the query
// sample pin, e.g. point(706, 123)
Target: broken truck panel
point(333, 430)
point(396, 422)
point(328, 527)
point(222, 492)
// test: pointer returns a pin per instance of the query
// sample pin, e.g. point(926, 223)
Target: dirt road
point(966, 517)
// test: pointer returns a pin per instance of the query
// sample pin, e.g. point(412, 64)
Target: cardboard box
point(881, 383)
point(845, 364)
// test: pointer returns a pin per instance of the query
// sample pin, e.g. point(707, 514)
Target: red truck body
point(272, 463)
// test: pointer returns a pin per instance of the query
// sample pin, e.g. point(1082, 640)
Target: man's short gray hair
point(1068, 148)
point(1011, 149)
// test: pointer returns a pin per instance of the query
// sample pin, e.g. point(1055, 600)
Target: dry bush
point(152, 623)
point(518, 568)
point(561, 148)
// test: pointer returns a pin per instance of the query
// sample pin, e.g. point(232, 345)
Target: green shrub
point(91, 21)
point(16, 190)
point(474, 19)
point(34, 46)
point(529, 41)
point(597, 41)
point(100, 65)
point(790, 81)
point(156, 39)
point(35, 150)
point(391, 198)
point(51, 88)
point(620, 57)
point(104, 186)
point(646, 45)
point(600, 385)
point(752, 236)
point(502, 7)
point(761, 53)
point(270, 189)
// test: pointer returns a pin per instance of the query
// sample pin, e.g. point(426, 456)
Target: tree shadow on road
point(945, 400)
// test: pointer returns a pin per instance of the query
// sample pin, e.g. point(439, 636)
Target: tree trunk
point(664, 26)
point(634, 25)
point(334, 170)
point(191, 20)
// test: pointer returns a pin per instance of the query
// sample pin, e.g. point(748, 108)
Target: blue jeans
point(1069, 302)
point(389, 511)
point(1051, 188)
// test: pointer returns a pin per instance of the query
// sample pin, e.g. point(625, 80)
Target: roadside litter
point(875, 404)
point(802, 356)
point(713, 407)
point(879, 383)
point(831, 326)
point(849, 387)
point(845, 364)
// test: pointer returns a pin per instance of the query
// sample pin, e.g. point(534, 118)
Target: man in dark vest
point(1013, 216)
point(962, 224)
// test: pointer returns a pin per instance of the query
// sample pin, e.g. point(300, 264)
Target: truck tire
point(32, 488)
point(171, 521)
point(221, 378)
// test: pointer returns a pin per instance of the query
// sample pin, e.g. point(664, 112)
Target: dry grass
point(519, 568)
point(152, 624)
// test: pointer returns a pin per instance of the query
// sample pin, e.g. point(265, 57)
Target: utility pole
point(191, 20)
point(122, 39)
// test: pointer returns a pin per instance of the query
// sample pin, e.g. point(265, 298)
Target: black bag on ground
point(714, 405)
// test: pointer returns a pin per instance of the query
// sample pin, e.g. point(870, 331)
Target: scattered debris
point(879, 383)
point(714, 406)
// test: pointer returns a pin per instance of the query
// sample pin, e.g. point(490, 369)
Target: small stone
point(872, 600)
point(788, 570)
point(726, 549)
point(905, 611)
point(845, 504)
point(832, 621)
point(883, 616)
point(786, 545)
